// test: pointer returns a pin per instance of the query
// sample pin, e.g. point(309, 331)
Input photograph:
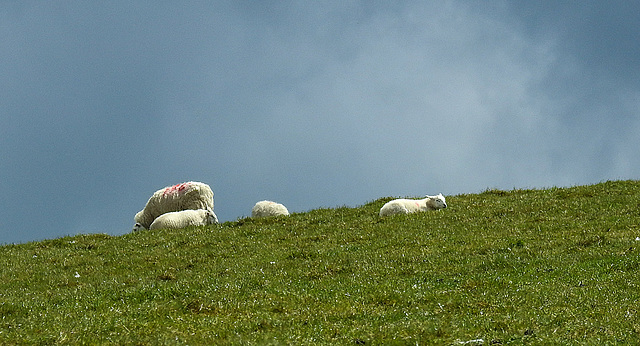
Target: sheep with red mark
point(190, 195)
point(407, 206)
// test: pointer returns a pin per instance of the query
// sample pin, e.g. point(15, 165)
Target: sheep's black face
point(211, 217)
point(440, 202)
point(137, 227)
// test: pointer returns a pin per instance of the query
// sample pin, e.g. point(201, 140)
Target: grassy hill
point(554, 266)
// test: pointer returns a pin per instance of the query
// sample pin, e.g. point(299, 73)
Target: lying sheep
point(184, 218)
point(190, 195)
point(406, 206)
point(268, 208)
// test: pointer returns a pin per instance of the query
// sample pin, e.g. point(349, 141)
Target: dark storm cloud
point(309, 104)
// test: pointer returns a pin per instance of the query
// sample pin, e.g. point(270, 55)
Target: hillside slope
point(558, 265)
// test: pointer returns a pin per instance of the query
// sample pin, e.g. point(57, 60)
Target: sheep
point(268, 208)
point(190, 195)
point(406, 206)
point(184, 218)
point(138, 227)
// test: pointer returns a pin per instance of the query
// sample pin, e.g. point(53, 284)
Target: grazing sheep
point(268, 208)
point(406, 206)
point(184, 218)
point(190, 195)
point(138, 227)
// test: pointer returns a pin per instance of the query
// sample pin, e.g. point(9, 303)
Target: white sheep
point(406, 206)
point(184, 218)
point(268, 208)
point(190, 195)
point(138, 227)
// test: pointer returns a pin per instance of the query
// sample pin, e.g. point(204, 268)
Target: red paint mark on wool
point(175, 189)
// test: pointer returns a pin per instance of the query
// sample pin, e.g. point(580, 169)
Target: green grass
point(554, 266)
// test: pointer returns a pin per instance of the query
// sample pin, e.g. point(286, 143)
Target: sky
point(311, 104)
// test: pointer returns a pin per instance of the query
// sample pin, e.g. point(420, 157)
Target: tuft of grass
point(549, 266)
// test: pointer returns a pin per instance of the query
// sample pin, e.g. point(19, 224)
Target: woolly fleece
point(406, 206)
point(190, 195)
point(184, 218)
point(268, 208)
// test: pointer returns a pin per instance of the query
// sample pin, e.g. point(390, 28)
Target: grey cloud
point(312, 105)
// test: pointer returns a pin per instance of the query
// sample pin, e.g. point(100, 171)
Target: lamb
point(406, 206)
point(268, 208)
point(190, 195)
point(184, 218)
